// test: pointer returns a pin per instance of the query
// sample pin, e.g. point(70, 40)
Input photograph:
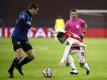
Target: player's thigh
point(17, 46)
point(19, 53)
point(30, 53)
point(26, 46)
point(28, 49)
point(81, 55)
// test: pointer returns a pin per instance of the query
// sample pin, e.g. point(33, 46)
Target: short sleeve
point(22, 17)
point(82, 22)
point(66, 26)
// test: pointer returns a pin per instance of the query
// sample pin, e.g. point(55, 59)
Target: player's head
point(73, 14)
point(33, 8)
point(61, 37)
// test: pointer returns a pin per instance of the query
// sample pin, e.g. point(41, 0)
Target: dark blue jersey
point(23, 24)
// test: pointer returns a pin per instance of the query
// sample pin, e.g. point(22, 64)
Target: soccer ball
point(47, 72)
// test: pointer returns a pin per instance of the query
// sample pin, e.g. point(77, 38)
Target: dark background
point(48, 10)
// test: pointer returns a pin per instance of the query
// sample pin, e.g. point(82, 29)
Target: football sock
point(12, 66)
point(25, 61)
point(71, 62)
point(14, 63)
point(86, 66)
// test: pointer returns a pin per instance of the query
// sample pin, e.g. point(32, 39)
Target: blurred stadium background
point(49, 51)
point(93, 12)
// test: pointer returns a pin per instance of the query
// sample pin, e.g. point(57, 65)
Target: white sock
point(86, 66)
point(71, 62)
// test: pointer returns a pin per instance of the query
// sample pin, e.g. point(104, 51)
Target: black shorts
point(25, 45)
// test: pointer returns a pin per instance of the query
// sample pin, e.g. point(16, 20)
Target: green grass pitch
point(48, 53)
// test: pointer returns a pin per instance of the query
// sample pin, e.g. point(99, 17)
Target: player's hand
point(81, 35)
point(51, 31)
point(33, 28)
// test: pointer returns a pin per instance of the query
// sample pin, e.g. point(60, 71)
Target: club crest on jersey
point(77, 26)
point(18, 42)
point(28, 22)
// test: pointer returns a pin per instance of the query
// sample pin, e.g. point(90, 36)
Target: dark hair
point(60, 34)
point(72, 10)
point(33, 5)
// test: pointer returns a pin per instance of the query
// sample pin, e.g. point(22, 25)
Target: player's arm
point(22, 18)
point(66, 27)
point(54, 32)
point(33, 28)
point(84, 30)
point(85, 27)
point(65, 54)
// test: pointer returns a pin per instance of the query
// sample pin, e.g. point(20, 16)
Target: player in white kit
point(69, 39)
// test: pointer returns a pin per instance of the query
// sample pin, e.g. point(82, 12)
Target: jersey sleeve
point(66, 26)
point(22, 18)
point(82, 22)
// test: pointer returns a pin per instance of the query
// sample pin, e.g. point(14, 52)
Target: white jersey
point(69, 41)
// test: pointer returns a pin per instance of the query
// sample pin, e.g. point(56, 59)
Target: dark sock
point(14, 63)
point(12, 66)
point(25, 61)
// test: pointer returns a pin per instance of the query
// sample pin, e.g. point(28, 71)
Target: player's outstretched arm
point(33, 28)
point(52, 31)
point(66, 52)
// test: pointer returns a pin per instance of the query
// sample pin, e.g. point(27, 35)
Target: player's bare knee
point(19, 57)
point(19, 53)
point(31, 56)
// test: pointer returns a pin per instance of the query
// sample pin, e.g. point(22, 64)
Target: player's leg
point(28, 58)
point(71, 63)
point(19, 55)
point(74, 48)
point(82, 62)
point(18, 59)
point(86, 67)
point(29, 51)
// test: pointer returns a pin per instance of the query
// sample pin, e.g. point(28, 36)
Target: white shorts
point(80, 54)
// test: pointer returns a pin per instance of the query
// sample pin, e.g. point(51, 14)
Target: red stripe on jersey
point(72, 35)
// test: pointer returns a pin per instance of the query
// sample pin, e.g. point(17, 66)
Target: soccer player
point(20, 40)
point(69, 39)
point(76, 25)
point(59, 25)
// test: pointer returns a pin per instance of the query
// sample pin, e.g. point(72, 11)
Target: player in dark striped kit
point(20, 40)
